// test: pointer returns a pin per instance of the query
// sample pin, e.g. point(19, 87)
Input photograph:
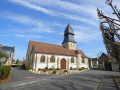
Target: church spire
point(69, 34)
point(69, 41)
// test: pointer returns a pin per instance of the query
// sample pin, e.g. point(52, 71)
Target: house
point(9, 51)
point(65, 56)
point(107, 62)
point(93, 63)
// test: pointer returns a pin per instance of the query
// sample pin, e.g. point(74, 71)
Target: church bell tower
point(69, 41)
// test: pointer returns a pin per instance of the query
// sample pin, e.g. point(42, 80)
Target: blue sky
point(46, 20)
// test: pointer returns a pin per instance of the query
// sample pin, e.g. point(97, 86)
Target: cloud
point(31, 36)
point(85, 37)
point(26, 4)
point(69, 6)
point(39, 26)
point(53, 12)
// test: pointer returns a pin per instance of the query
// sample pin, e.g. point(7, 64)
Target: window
point(42, 59)
point(52, 59)
point(72, 60)
point(83, 60)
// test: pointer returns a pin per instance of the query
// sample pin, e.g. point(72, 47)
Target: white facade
point(57, 64)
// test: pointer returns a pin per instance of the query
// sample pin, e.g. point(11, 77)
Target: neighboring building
point(9, 51)
point(93, 63)
point(107, 62)
point(41, 55)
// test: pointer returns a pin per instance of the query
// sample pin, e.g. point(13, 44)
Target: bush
point(5, 72)
point(57, 68)
point(51, 69)
point(75, 68)
point(71, 68)
point(39, 69)
point(65, 70)
point(25, 67)
point(46, 68)
point(83, 68)
point(54, 72)
point(80, 69)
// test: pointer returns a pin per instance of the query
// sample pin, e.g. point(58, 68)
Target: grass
point(118, 79)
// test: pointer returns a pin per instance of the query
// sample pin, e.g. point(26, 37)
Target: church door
point(63, 64)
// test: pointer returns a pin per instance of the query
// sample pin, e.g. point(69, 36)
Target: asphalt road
point(87, 80)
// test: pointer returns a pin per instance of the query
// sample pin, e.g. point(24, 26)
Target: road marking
point(30, 77)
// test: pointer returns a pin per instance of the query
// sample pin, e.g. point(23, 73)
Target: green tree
point(17, 61)
point(3, 55)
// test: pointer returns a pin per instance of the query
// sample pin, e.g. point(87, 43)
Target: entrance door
point(63, 64)
point(108, 66)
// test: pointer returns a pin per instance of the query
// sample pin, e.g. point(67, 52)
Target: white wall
point(57, 63)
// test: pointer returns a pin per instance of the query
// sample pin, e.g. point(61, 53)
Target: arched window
point(52, 59)
point(83, 60)
point(72, 60)
point(42, 58)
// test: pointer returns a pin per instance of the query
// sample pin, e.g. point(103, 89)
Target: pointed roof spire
point(69, 34)
point(68, 29)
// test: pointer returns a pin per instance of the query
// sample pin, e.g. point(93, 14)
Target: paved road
point(21, 76)
point(87, 80)
point(107, 83)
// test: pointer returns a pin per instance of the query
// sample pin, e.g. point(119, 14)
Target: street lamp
point(2, 60)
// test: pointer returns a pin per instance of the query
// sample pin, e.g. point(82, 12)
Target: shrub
point(80, 69)
point(25, 67)
point(54, 72)
point(65, 70)
point(57, 68)
point(75, 68)
point(39, 69)
point(5, 72)
point(83, 68)
point(71, 68)
point(46, 68)
point(51, 69)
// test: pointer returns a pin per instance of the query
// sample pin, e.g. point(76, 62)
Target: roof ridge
point(45, 43)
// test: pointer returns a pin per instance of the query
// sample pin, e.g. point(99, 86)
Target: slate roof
point(69, 34)
point(40, 47)
point(7, 48)
point(69, 30)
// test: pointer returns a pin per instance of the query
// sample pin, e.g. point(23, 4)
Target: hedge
point(5, 72)
point(25, 67)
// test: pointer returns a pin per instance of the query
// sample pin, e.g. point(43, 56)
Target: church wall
point(57, 64)
point(84, 64)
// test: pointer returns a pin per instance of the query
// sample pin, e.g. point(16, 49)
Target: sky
point(46, 20)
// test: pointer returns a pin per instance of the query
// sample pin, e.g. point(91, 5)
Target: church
point(65, 56)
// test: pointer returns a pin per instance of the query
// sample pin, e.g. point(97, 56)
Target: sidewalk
point(107, 83)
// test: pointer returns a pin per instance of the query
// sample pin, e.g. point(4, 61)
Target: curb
point(96, 88)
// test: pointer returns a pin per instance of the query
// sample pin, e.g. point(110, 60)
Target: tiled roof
point(40, 47)
point(0, 45)
point(105, 57)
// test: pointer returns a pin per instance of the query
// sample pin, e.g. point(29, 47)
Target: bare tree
point(110, 28)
